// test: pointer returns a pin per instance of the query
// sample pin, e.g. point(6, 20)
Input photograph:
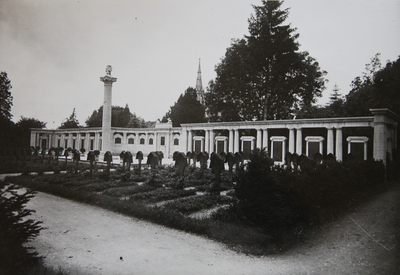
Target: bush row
point(283, 203)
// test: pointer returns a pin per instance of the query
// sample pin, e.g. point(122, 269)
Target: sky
point(55, 52)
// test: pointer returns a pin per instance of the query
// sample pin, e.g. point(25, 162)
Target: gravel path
point(83, 239)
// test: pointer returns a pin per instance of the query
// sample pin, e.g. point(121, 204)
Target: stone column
point(190, 141)
point(183, 140)
point(380, 140)
point(292, 141)
point(87, 141)
point(168, 139)
point(330, 142)
point(207, 141)
point(70, 142)
point(236, 141)
point(265, 140)
point(62, 142)
point(211, 141)
point(339, 144)
point(124, 137)
point(78, 143)
point(259, 139)
point(299, 141)
point(96, 141)
point(230, 150)
point(33, 138)
point(106, 126)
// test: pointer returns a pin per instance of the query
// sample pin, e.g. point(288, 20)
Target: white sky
point(55, 51)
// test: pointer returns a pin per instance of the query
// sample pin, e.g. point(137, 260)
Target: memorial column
point(106, 123)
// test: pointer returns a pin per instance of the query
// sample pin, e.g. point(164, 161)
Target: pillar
point(230, 150)
point(70, 142)
point(97, 141)
point(299, 141)
point(259, 139)
point(184, 140)
point(236, 141)
point(106, 126)
point(190, 141)
point(339, 144)
point(380, 141)
point(207, 141)
point(78, 142)
point(211, 141)
point(330, 142)
point(265, 140)
point(292, 141)
point(168, 143)
point(33, 138)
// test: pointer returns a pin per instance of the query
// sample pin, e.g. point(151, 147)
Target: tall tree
point(5, 97)
point(22, 130)
point(120, 117)
point(28, 123)
point(377, 88)
point(71, 122)
point(6, 125)
point(186, 110)
point(264, 75)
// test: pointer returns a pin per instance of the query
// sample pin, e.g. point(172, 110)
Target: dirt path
point(84, 239)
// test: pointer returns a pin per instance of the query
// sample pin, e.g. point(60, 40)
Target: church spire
point(199, 86)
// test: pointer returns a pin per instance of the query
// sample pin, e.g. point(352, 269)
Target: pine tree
point(16, 229)
point(264, 75)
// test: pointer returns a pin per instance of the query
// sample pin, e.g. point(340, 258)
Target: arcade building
point(371, 137)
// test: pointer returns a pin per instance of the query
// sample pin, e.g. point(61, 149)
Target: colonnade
point(334, 141)
point(292, 136)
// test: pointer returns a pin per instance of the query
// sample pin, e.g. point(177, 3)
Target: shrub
point(265, 200)
point(280, 201)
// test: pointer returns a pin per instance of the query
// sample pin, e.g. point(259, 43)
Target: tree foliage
point(6, 125)
point(71, 122)
point(5, 97)
point(377, 88)
point(28, 123)
point(22, 132)
point(186, 110)
point(264, 75)
point(120, 117)
point(334, 108)
point(16, 229)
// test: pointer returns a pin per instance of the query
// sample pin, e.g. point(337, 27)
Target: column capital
point(108, 79)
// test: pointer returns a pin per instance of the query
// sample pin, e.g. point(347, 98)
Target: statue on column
point(108, 70)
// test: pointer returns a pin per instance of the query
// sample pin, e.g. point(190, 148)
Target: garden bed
point(289, 202)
